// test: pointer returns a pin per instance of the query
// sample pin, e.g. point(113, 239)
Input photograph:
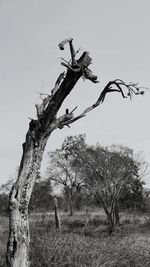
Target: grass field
point(85, 245)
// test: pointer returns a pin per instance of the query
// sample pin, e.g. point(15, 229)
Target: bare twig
point(72, 50)
point(73, 54)
point(74, 109)
point(64, 42)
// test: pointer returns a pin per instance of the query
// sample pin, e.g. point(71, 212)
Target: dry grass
point(3, 240)
point(90, 245)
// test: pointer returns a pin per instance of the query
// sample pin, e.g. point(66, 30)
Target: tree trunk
point(110, 215)
point(19, 237)
point(117, 216)
point(71, 212)
point(111, 223)
point(57, 216)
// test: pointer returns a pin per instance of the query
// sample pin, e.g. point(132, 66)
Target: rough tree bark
point(36, 139)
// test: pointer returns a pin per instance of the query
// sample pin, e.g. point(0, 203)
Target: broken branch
point(132, 88)
point(64, 42)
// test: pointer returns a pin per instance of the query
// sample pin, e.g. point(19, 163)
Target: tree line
point(89, 176)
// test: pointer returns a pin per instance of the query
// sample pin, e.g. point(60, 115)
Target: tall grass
point(80, 244)
point(3, 240)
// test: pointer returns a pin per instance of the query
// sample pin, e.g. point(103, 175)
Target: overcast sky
point(117, 35)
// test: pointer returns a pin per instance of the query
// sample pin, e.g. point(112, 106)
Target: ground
point(85, 243)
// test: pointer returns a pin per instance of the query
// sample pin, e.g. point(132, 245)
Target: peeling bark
point(19, 237)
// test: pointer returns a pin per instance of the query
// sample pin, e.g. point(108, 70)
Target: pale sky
point(117, 35)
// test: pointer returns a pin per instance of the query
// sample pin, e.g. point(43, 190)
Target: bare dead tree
point(36, 139)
